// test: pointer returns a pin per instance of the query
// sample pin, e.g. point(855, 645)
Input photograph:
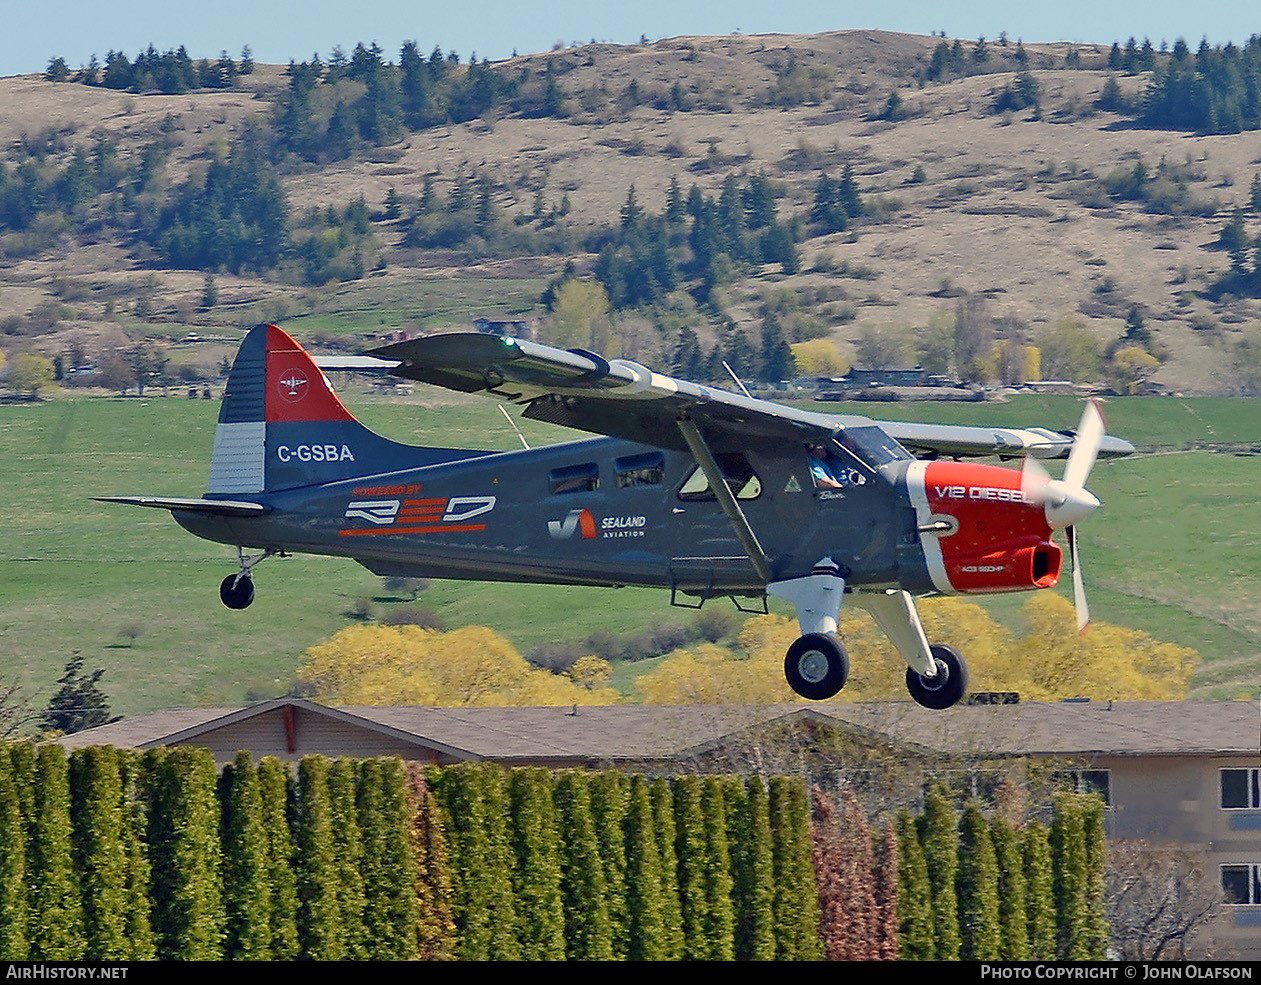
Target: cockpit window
point(739, 474)
point(871, 446)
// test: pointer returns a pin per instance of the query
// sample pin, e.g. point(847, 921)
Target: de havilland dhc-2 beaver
point(699, 490)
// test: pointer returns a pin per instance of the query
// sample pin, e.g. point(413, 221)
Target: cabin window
point(640, 470)
point(1241, 789)
point(573, 479)
point(1241, 884)
point(741, 480)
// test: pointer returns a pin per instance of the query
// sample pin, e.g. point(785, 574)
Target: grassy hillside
point(1012, 206)
point(1173, 553)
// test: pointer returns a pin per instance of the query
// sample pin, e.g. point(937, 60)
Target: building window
point(739, 474)
point(574, 478)
point(1241, 789)
point(1087, 781)
point(1241, 884)
point(640, 470)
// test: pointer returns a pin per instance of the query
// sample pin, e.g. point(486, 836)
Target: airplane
point(696, 489)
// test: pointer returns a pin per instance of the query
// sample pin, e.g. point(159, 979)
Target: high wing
point(621, 398)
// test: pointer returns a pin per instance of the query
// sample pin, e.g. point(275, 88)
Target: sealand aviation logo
point(576, 520)
point(293, 386)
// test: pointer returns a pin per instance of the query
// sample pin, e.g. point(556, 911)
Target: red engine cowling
point(998, 539)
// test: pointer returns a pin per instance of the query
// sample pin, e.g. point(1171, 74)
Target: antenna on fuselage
point(508, 417)
point(739, 382)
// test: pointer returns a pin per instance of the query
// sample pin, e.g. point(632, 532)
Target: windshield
point(871, 446)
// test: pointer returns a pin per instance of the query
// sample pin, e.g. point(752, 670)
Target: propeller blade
point(1079, 588)
point(1085, 446)
point(1033, 480)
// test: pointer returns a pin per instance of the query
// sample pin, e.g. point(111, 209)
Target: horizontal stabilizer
point(215, 507)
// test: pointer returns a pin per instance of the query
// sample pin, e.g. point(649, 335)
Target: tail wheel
point(237, 591)
point(816, 666)
point(948, 685)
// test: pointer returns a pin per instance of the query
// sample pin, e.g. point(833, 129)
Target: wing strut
point(705, 459)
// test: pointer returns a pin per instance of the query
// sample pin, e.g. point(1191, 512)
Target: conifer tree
point(13, 892)
point(435, 924)
point(690, 848)
point(246, 895)
point(274, 788)
point(135, 826)
point(610, 799)
point(96, 798)
point(316, 864)
point(389, 861)
point(915, 895)
point(1068, 855)
point(56, 914)
point(939, 838)
point(348, 848)
point(977, 888)
point(671, 909)
point(537, 869)
point(754, 875)
point(887, 894)
point(1014, 934)
point(185, 852)
point(829, 870)
point(1039, 892)
point(796, 892)
point(720, 913)
point(646, 932)
point(588, 933)
point(1098, 931)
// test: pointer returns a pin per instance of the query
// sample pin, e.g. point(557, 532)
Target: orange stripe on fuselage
point(446, 528)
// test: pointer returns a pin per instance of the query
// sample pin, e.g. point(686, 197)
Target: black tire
point(816, 666)
point(237, 592)
point(950, 684)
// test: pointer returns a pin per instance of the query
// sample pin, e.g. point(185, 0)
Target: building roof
point(653, 732)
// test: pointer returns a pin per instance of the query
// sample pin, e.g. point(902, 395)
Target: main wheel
point(237, 591)
point(816, 666)
point(949, 684)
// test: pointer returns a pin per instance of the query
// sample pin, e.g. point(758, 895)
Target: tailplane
point(281, 426)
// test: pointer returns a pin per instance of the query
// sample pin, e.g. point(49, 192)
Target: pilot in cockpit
point(822, 467)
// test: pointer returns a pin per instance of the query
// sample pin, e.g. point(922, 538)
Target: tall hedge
point(100, 854)
point(977, 888)
point(246, 893)
point(887, 864)
point(315, 864)
point(1040, 918)
point(435, 920)
point(135, 831)
point(1098, 931)
point(720, 918)
point(915, 895)
point(13, 915)
point(1068, 853)
point(588, 931)
point(56, 911)
point(537, 865)
point(662, 795)
point(389, 861)
point(348, 847)
point(185, 854)
point(691, 848)
point(644, 886)
point(753, 869)
point(939, 839)
point(1012, 914)
point(610, 799)
point(276, 791)
point(475, 806)
point(796, 893)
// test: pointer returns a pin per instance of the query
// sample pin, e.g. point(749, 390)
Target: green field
point(1174, 551)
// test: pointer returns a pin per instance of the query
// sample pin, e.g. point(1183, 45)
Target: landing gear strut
point(237, 591)
point(816, 666)
point(944, 688)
